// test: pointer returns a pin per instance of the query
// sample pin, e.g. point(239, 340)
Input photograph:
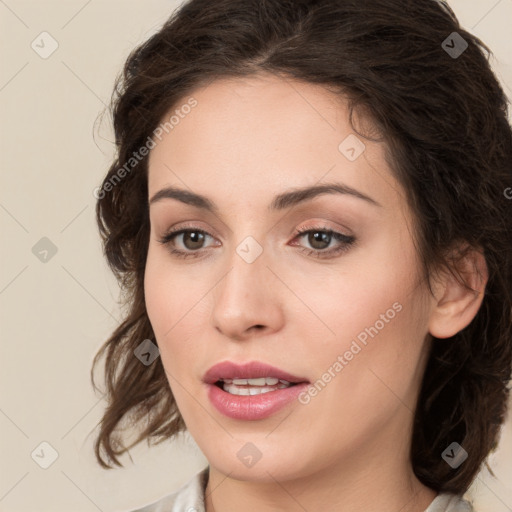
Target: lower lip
point(253, 407)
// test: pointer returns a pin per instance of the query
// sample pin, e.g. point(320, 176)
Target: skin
point(348, 448)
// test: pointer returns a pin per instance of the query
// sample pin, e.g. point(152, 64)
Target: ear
point(454, 305)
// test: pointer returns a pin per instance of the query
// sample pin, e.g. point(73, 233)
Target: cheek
point(370, 373)
point(367, 288)
point(166, 291)
point(163, 304)
point(173, 304)
point(156, 293)
point(377, 323)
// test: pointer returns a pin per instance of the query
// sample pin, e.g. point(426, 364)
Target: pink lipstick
point(251, 391)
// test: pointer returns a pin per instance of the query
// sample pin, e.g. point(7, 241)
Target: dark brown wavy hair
point(443, 119)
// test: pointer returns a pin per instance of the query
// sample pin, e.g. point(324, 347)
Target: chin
point(259, 461)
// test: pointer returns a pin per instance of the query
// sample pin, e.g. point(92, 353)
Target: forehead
point(272, 110)
point(257, 135)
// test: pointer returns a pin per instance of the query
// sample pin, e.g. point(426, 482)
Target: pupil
point(319, 237)
point(195, 243)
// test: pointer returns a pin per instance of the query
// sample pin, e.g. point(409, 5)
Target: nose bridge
point(246, 297)
point(247, 273)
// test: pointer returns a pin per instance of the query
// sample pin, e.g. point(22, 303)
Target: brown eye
point(319, 239)
point(193, 239)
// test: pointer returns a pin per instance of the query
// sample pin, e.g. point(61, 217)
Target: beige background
point(55, 315)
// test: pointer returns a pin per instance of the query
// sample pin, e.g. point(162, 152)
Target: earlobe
point(455, 305)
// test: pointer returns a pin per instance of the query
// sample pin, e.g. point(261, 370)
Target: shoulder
point(189, 498)
point(446, 502)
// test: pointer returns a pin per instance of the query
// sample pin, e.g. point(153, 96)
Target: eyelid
point(345, 242)
point(174, 232)
point(315, 224)
point(322, 224)
point(192, 225)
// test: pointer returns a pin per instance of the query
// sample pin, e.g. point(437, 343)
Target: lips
point(252, 370)
point(251, 391)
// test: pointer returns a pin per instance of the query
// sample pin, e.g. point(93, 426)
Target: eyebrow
point(280, 202)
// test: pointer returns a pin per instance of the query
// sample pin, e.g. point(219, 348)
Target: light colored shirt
point(190, 498)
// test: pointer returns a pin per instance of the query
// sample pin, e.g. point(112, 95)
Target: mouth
point(253, 375)
point(251, 391)
point(254, 386)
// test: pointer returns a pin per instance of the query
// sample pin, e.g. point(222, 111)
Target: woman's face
point(345, 317)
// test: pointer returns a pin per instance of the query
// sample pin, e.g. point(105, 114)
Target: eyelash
point(345, 240)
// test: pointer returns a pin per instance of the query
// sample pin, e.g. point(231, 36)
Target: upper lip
point(253, 369)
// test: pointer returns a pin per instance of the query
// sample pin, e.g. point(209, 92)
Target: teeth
point(257, 390)
point(262, 381)
point(257, 382)
point(250, 387)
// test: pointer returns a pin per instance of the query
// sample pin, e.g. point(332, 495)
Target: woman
point(308, 214)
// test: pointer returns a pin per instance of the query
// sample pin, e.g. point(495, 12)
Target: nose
point(247, 301)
